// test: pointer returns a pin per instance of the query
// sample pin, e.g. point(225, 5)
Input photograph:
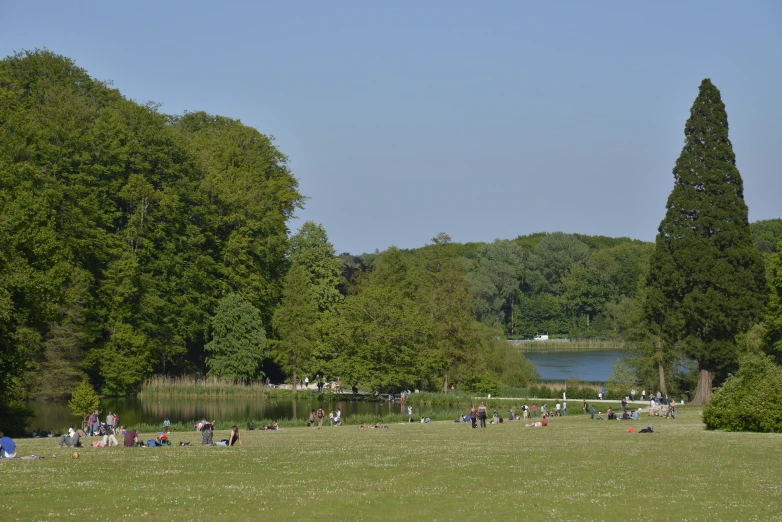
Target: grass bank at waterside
point(563, 345)
point(574, 469)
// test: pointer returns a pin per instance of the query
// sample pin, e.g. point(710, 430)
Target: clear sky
point(480, 119)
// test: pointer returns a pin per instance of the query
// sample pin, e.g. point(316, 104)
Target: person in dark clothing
point(233, 437)
point(482, 414)
point(131, 438)
point(473, 417)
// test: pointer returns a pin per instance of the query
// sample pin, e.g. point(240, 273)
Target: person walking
point(331, 418)
point(586, 406)
point(409, 414)
point(311, 420)
point(593, 413)
point(321, 414)
point(473, 417)
point(482, 413)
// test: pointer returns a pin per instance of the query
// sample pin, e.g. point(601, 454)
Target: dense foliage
point(706, 282)
point(774, 314)
point(133, 244)
point(236, 350)
point(750, 400)
point(121, 228)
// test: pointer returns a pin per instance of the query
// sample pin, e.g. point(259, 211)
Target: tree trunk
point(293, 385)
point(660, 365)
point(662, 378)
point(445, 383)
point(705, 379)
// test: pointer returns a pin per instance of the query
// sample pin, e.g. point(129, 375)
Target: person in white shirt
point(71, 433)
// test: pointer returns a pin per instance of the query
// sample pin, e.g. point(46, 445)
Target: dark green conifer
point(707, 282)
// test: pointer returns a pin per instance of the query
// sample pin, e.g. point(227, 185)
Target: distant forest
point(564, 285)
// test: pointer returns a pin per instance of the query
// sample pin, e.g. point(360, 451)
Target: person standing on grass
point(593, 413)
point(605, 396)
point(564, 409)
point(632, 394)
point(643, 395)
point(311, 420)
point(482, 414)
point(110, 423)
point(534, 410)
point(331, 418)
point(409, 414)
point(557, 407)
point(321, 414)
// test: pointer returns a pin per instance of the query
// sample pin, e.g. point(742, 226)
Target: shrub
point(750, 400)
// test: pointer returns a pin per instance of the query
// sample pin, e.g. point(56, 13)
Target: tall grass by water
point(564, 345)
point(191, 386)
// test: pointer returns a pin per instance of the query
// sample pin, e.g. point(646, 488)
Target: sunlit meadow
point(575, 469)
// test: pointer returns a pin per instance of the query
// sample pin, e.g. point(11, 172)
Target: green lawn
point(575, 469)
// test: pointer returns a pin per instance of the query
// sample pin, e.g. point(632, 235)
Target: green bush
point(483, 386)
point(750, 400)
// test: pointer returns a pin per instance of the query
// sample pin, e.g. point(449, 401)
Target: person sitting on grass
point(131, 438)
point(162, 439)
point(109, 440)
point(272, 426)
point(7, 447)
point(600, 416)
point(611, 415)
point(207, 431)
point(635, 413)
point(71, 442)
point(233, 437)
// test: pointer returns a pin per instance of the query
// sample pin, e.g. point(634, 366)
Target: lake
point(584, 366)
point(592, 366)
point(57, 415)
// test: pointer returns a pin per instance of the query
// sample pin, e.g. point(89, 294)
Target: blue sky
point(482, 120)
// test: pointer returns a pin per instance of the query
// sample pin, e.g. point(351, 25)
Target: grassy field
point(575, 469)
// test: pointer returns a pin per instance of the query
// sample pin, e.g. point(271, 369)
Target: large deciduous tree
point(707, 282)
point(238, 340)
point(295, 322)
point(774, 315)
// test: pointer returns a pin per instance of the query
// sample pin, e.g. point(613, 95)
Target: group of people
point(317, 417)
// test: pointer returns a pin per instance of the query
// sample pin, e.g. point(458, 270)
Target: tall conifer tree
point(704, 269)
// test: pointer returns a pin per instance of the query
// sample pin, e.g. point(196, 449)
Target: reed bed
point(561, 345)
point(192, 386)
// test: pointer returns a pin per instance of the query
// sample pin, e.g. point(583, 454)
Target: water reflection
point(585, 366)
point(57, 415)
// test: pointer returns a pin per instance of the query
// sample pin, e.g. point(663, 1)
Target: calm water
point(57, 415)
point(584, 366)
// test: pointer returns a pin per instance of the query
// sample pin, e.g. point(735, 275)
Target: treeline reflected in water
point(57, 415)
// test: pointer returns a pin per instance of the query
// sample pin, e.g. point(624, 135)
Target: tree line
point(135, 243)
